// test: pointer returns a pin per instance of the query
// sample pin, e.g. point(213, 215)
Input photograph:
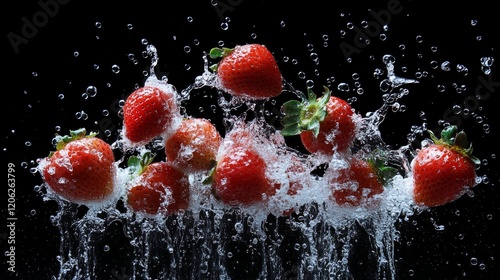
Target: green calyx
point(455, 140)
point(305, 115)
point(62, 140)
point(138, 164)
point(219, 53)
point(210, 178)
point(384, 173)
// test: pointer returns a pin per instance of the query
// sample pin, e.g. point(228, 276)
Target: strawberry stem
point(139, 163)
point(305, 115)
point(456, 141)
point(219, 52)
point(62, 140)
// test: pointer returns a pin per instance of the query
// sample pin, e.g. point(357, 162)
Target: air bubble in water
point(343, 87)
point(115, 68)
point(462, 69)
point(445, 66)
point(91, 91)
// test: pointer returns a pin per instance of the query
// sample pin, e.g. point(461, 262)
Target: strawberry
point(443, 170)
point(239, 178)
point(147, 113)
point(159, 188)
point(248, 71)
point(194, 145)
point(325, 124)
point(360, 181)
point(81, 170)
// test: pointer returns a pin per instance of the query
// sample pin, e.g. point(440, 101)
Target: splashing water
point(316, 239)
point(211, 241)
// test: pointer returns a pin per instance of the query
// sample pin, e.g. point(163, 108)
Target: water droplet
point(482, 266)
point(130, 26)
point(282, 23)
point(343, 87)
point(462, 69)
point(302, 75)
point(115, 68)
point(187, 49)
point(76, 54)
point(419, 39)
point(106, 248)
point(473, 261)
point(445, 66)
point(456, 109)
point(238, 227)
point(190, 19)
point(473, 22)
point(411, 272)
point(27, 143)
point(91, 91)
point(224, 26)
point(98, 24)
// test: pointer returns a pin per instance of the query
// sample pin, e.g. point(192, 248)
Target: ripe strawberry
point(239, 178)
point(360, 181)
point(444, 170)
point(194, 145)
point(325, 124)
point(81, 170)
point(147, 113)
point(159, 188)
point(248, 71)
point(298, 176)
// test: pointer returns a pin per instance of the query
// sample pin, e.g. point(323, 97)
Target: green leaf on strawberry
point(456, 141)
point(304, 116)
point(139, 163)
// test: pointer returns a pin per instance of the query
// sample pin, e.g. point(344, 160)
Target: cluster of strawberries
point(83, 169)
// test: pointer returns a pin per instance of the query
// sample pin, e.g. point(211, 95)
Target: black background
point(45, 66)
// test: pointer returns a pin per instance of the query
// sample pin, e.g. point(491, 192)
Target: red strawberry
point(297, 174)
point(159, 188)
point(325, 124)
point(147, 113)
point(248, 71)
point(82, 168)
point(443, 170)
point(360, 181)
point(194, 145)
point(239, 178)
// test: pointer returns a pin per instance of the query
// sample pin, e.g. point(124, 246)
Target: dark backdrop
point(59, 48)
